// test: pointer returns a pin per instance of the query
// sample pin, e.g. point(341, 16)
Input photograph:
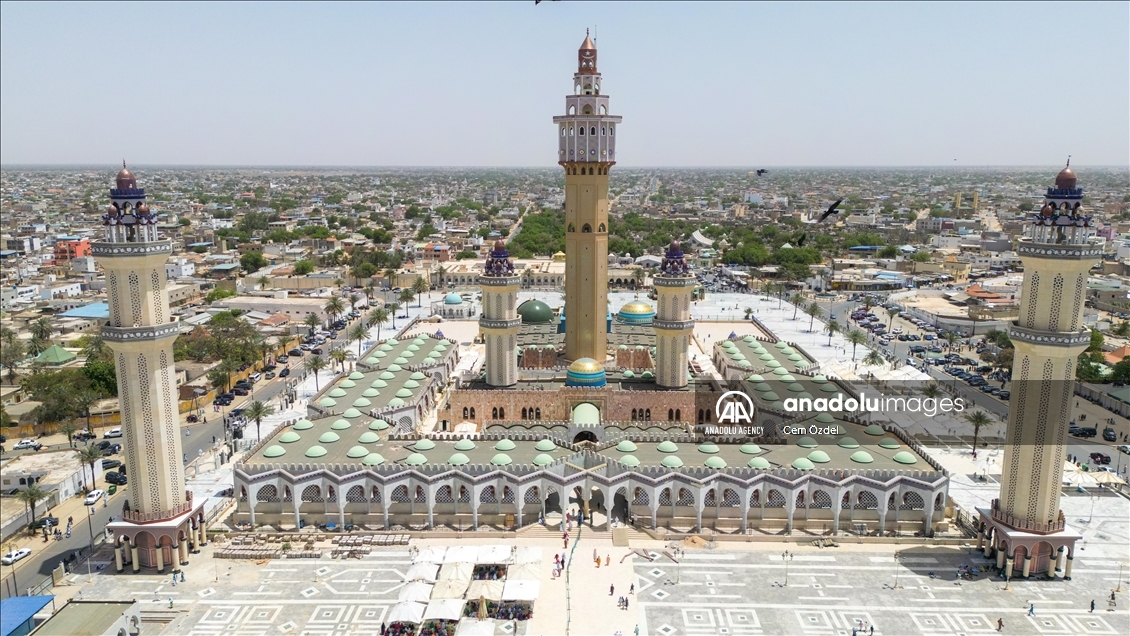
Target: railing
point(1026, 525)
point(150, 517)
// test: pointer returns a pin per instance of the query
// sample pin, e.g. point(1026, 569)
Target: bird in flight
point(537, 2)
point(803, 237)
point(830, 211)
point(761, 171)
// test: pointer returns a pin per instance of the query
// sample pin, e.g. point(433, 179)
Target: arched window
point(633, 415)
point(603, 131)
point(670, 414)
point(465, 413)
point(678, 415)
point(581, 131)
point(570, 131)
point(523, 412)
point(586, 229)
point(592, 131)
point(587, 110)
point(501, 413)
point(611, 131)
point(572, 110)
point(600, 228)
point(647, 415)
point(537, 414)
point(562, 131)
point(472, 412)
point(494, 413)
point(572, 228)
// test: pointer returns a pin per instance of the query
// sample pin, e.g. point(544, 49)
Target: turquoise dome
point(453, 299)
point(585, 372)
point(637, 313)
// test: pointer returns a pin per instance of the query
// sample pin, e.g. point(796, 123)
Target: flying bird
point(831, 210)
point(762, 171)
point(800, 242)
point(537, 2)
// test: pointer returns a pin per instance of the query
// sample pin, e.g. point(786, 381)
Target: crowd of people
point(398, 629)
point(488, 573)
point(438, 628)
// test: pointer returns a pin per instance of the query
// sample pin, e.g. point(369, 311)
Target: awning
point(450, 588)
point(493, 554)
point(522, 572)
point(447, 609)
point(469, 627)
point(527, 554)
point(461, 554)
point(407, 613)
point(431, 554)
point(521, 590)
point(456, 571)
point(416, 591)
point(490, 590)
point(422, 572)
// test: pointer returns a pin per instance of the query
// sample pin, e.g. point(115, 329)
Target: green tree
point(258, 411)
point(393, 307)
point(797, 300)
point(873, 359)
point(252, 261)
point(312, 322)
point(31, 496)
point(932, 390)
point(407, 296)
point(334, 307)
point(856, 338)
point(891, 313)
point(316, 364)
point(218, 294)
point(303, 267)
point(12, 352)
point(977, 419)
point(378, 317)
point(69, 428)
point(263, 281)
point(832, 328)
point(420, 285)
point(358, 333)
point(41, 328)
point(1096, 342)
point(340, 356)
point(890, 251)
point(812, 310)
point(87, 456)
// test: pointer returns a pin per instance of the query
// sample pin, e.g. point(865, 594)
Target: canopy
point(522, 572)
point(493, 554)
point(407, 613)
point(490, 590)
point(461, 554)
point(456, 571)
point(521, 590)
point(527, 554)
point(415, 591)
point(445, 609)
point(468, 627)
point(430, 554)
point(450, 588)
point(422, 571)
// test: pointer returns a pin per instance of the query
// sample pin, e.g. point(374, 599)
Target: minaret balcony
point(672, 324)
point(139, 334)
point(147, 248)
point(1060, 251)
point(1025, 525)
point(1081, 338)
point(488, 323)
point(673, 281)
point(498, 281)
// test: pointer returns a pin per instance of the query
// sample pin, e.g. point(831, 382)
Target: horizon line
point(10, 166)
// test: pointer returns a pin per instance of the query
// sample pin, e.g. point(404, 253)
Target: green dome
point(420, 340)
point(545, 445)
point(622, 348)
point(796, 357)
point(847, 442)
point(755, 378)
point(413, 347)
point(392, 341)
point(801, 366)
point(744, 363)
point(356, 375)
point(347, 384)
point(458, 459)
point(647, 375)
point(806, 442)
point(379, 384)
point(802, 463)
point(378, 425)
point(336, 392)
point(781, 345)
point(542, 459)
point(626, 446)
point(411, 384)
point(819, 457)
point(770, 396)
point(405, 356)
point(274, 451)
point(351, 413)
point(329, 437)
point(667, 446)
point(715, 462)
point(400, 360)
point(315, 451)
point(395, 368)
point(385, 347)
point(416, 375)
point(630, 461)
point(828, 388)
point(728, 344)
point(415, 459)
point(773, 364)
point(424, 444)
point(636, 312)
point(672, 461)
point(372, 459)
point(289, 437)
point(339, 425)
point(501, 459)
point(762, 387)
point(796, 387)
point(758, 462)
point(303, 424)
point(903, 457)
point(787, 378)
point(441, 347)
point(780, 371)
point(628, 374)
point(464, 445)
point(819, 379)
point(737, 355)
point(395, 403)
point(888, 443)
point(357, 452)
point(748, 338)
point(874, 429)
point(766, 357)
point(373, 360)
point(327, 402)
point(362, 402)
point(750, 449)
point(404, 393)
point(804, 395)
point(504, 445)
point(825, 418)
point(433, 355)
point(386, 375)
point(535, 312)
point(370, 392)
point(861, 457)
point(369, 437)
point(709, 448)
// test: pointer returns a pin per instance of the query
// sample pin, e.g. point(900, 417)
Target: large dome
point(535, 312)
point(1065, 180)
point(453, 299)
point(637, 312)
point(125, 179)
point(585, 372)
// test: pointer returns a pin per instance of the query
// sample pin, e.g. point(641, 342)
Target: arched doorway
point(584, 436)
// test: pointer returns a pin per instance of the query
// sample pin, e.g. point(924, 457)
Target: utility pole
point(786, 557)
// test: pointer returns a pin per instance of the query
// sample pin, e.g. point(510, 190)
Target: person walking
point(1031, 609)
point(1000, 624)
point(632, 589)
point(612, 589)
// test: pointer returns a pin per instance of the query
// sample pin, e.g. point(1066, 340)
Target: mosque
point(586, 408)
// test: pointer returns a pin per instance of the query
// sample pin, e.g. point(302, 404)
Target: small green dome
point(765, 357)
point(379, 384)
point(372, 459)
point(672, 461)
point(369, 437)
point(274, 451)
point(401, 360)
point(535, 312)
point(392, 341)
point(773, 364)
point(801, 366)
point(385, 375)
point(667, 446)
point(762, 387)
point(404, 393)
point(780, 345)
point(630, 461)
point(874, 429)
point(420, 340)
point(737, 355)
point(373, 359)
point(804, 395)
point(329, 437)
point(336, 392)
point(303, 424)
point(806, 442)
point(441, 347)
point(726, 344)
point(357, 452)
point(780, 371)
point(750, 449)
point(542, 459)
point(458, 459)
point(351, 413)
point(416, 375)
point(828, 388)
point(415, 459)
point(861, 457)
point(378, 425)
point(395, 403)
point(787, 378)
point(315, 451)
point(889, 443)
point(464, 445)
point(796, 387)
point(628, 374)
point(770, 396)
point(819, 457)
point(787, 350)
point(289, 437)
point(904, 457)
point(424, 444)
point(406, 355)
point(709, 448)
point(395, 368)
point(362, 402)
point(504, 445)
point(748, 338)
point(744, 363)
point(327, 402)
point(385, 347)
point(755, 378)
point(545, 445)
point(413, 347)
point(758, 462)
point(802, 463)
point(411, 384)
point(819, 379)
point(370, 392)
point(796, 357)
point(347, 384)
point(647, 375)
point(622, 348)
point(340, 425)
point(825, 418)
point(847, 442)
point(627, 446)
point(715, 462)
point(356, 375)
point(501, 459)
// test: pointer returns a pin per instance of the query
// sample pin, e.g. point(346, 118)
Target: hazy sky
point(478, 84)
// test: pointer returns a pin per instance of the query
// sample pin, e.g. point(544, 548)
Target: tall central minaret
point(587, 151)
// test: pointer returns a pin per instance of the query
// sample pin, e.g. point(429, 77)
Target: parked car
point(316, 351)
point(117, 479)
point(294, 352)
point(1125, 448)
point(282, 359)
point(93, 497)
point(1109, 435)
point(15, 555)
point(285, 372)
point(241, 391)
point(270, 375)
point(1004, 394)
point(114, 432)
point(26, 444)
point(85, 435)
point(45, 522)
point(107, 464)
point(255, 377)
point(1100, 458)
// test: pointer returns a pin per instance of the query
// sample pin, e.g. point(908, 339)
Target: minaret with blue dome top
point(500, 322)
point(673, 325)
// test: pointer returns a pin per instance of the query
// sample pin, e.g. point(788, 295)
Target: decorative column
point(673, 325)
point(499, 322)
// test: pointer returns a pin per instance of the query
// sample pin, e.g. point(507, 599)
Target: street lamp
point(90, 527)
point(786, 557)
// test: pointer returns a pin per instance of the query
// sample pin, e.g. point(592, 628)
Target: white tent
point(461, 554)
point(527, 554)
point(490, 590)
point(445, 609)
point(416, 591)
point(407, 613)
point(493, 554)
point(422, 572)
point(522, 572)
point(470, 627)
point(450, 588)
point(521, 590)
point(460, 571)
point(431, 554)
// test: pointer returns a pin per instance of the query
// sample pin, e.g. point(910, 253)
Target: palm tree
point(358, 333)
point(87, 455)
point(951, 339)
point(334, 307)
point(369, 289)
point(340, 356)
point(41, 329)
point(977, 419)
point(873, 359)
point(420, 285)
point(891, 313)
point(390, 276)
point(638, 277)
point(378, 317)
point(441, 275)
point(748, 311)
point(312, 321)
point(68, 427)
point(338, 282)
point(832, 328)
point(353, 298)
point(932, 390)
point(797, 300)
point(856, 338)
point(406, 297)
point(316, 364)
point(393, 307)
point(814, 312)
point(31, 496)
point(37, 345)
point(868, 303)
point(264, 281)
point(257, 411)
point(95, 348)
